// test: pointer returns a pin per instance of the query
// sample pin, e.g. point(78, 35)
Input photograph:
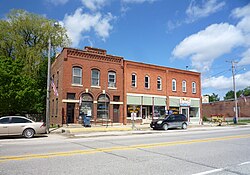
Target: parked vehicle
point(170, 121)
point(19, 125)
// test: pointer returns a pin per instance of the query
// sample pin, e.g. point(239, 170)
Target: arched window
point(184, 86)
point(103, 106)
point(173, 85)
point(95, 77)
point(159, 85)
point(86, 104)
point(77, 75)
point(133, 80)
point(193, 87)
point(147, 82)
point(112, 79)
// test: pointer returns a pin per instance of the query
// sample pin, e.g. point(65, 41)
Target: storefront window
point(159, 111)
point(133, 108)
point(86, 105)
point(103, 106)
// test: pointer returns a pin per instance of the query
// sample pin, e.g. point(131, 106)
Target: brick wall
point(226, 108)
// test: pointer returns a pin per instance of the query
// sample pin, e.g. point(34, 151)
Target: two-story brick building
point(152, 90)
point(109, 88)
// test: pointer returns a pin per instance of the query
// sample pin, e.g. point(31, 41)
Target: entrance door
point(185, 111)
point(70, 113)
point(116, 113)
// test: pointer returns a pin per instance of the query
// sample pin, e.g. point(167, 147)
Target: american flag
point(54, 87)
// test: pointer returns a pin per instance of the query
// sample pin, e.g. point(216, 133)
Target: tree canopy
point(214, 97)
point(230, 94)
point(23, 60)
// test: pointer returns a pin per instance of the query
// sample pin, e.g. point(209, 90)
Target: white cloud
point(138, 1)
point(244, 25)
point(207, 45)
point(226, 83)
point(80, 23)
point(94, 5)
point(245, 58)
point(58, 2)
point(195, 11)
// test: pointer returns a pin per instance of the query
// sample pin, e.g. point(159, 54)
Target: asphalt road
point(222, 152)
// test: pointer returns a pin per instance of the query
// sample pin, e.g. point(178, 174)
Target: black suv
point(170, 121)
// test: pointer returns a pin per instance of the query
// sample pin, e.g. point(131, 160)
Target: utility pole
point(235, 96)
point(48, 88)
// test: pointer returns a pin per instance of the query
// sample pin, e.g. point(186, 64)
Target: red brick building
point(226, 108)
point(108, 88)
point(152, 90)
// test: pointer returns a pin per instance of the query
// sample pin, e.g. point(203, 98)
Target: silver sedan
point(19, 125)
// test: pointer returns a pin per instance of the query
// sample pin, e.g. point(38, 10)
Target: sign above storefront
point(184, 101)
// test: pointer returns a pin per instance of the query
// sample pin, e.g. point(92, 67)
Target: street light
point(56, 24)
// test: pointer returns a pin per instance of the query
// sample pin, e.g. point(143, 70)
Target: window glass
point(95, 76)
point(159, 83)
point(184, 88)
point(194, 87)
point(173, 85)
point(4, 120)
point(147, 82)
point(103, 107)
point(112, 79)
point(19, 120)
point(77, 75)
point(133, 82)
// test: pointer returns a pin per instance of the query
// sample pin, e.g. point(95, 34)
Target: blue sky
point(201, 34)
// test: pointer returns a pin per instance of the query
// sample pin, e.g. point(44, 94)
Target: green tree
point(23, 60)
point(25, 36)
point(18, 92)
point(213, 97)
point(246, 91)
point(229, 95)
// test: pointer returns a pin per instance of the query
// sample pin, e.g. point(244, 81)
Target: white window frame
point(147, 83)
point(111, 84)
point(98, 78)
point(134, 82)
point(184, 86)
point(74, 75)
point(159, 83)
point(194, 87)
point(174, 88)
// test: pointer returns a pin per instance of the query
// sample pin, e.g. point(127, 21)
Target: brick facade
point(117, 101)
point(226, 108)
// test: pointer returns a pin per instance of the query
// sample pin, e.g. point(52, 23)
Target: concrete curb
point(125, 130)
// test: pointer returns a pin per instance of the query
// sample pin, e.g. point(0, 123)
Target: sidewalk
point(77, 130)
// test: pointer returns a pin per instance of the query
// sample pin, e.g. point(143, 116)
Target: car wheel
point(184, 126)
point(28, 133)
point(165, 127)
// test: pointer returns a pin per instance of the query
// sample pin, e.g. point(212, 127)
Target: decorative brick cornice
point(93, 55)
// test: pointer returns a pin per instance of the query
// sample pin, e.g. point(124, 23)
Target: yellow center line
point(118, 148)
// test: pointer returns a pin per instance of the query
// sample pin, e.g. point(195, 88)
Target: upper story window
point(184, 86)
point(57, 80)
point(95, 77)
point(77, 75)
point(193, 87)
point(159, 86)
point(112, 79)
point(147, 82)
point(173, 85)
point(133, 80)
